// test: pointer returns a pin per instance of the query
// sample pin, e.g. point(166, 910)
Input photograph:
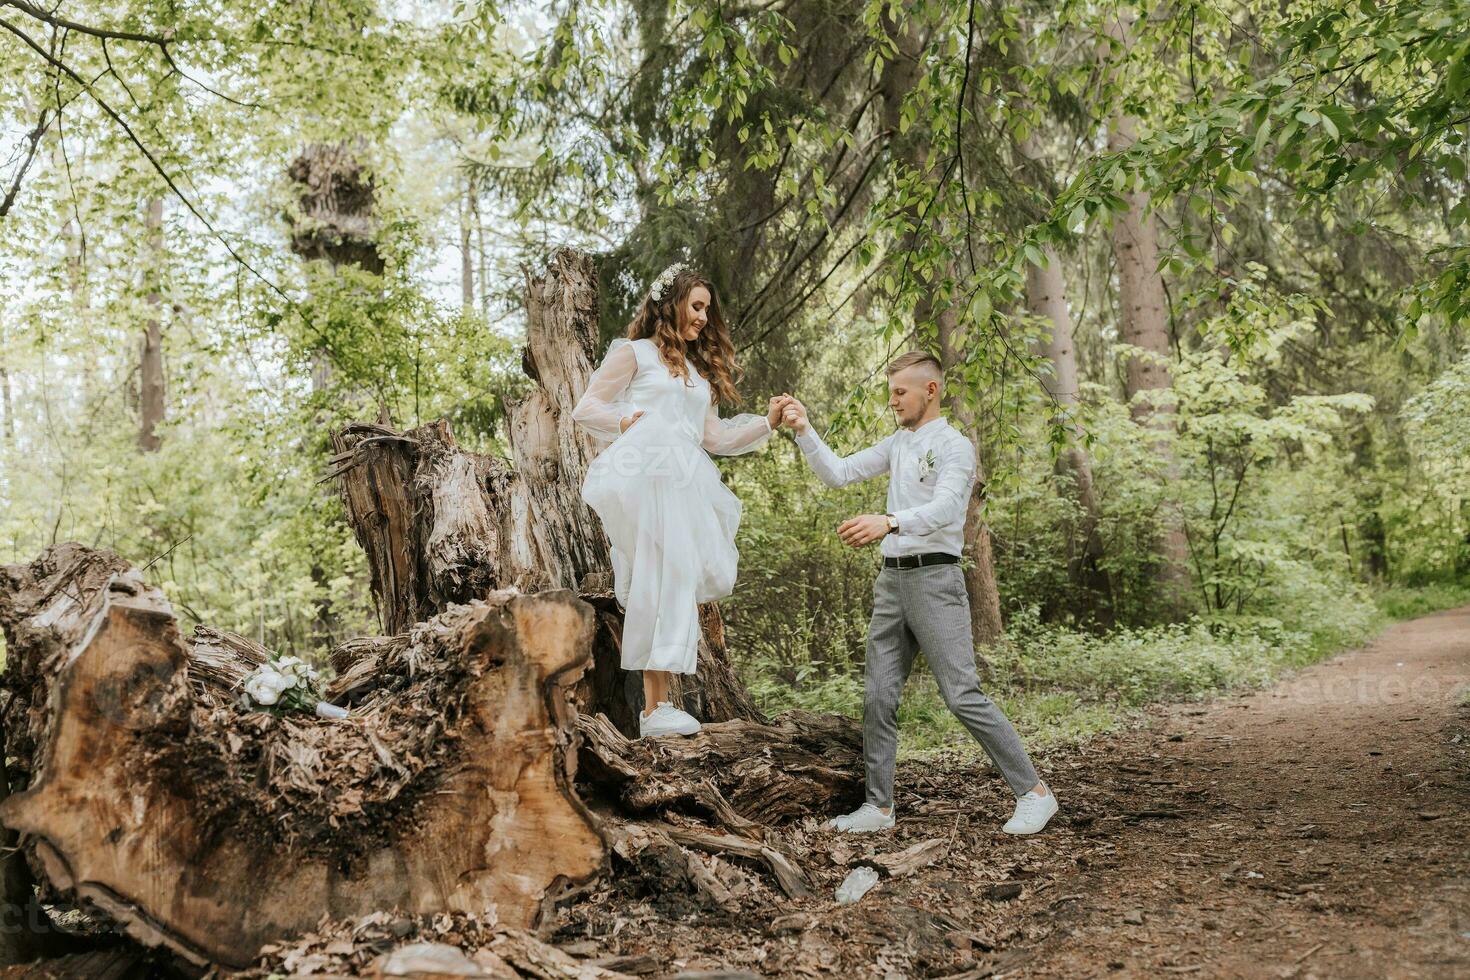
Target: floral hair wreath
point(665, 278)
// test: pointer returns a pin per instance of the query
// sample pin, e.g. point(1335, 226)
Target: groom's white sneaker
point(864, 819)
point(1032, 813)
point(666, 720)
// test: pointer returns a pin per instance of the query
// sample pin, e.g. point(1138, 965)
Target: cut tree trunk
point(154, 797)
point(441, 524)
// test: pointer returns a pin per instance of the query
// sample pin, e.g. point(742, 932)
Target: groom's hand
point(794, 415)
point(863, 529)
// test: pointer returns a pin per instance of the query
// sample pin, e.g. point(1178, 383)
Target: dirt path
point(1317, 828)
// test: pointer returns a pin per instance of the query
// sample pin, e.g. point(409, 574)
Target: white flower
point(656, 289)
point(272, 681)
point(927, 462)
point(265, 685)
point(297, 669)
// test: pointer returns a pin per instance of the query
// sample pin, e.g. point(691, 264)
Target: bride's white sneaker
point(864, 819)
point(666, 720)
point(1032, 813)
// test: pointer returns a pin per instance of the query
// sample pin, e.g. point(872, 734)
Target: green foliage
point(801, 607)
point(1352, 100)
point(1400, 602)
point(854, 174)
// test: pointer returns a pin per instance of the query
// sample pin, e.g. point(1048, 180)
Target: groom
point(919, 601)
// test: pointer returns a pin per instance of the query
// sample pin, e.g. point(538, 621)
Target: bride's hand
point(776, 409)
point(628, 420)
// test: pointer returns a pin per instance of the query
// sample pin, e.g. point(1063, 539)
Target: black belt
point(917, 561)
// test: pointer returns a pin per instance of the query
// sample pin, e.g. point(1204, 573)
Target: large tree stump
point(154, 797)
point(440, 524)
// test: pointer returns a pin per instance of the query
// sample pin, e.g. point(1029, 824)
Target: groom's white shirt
point(928, 500)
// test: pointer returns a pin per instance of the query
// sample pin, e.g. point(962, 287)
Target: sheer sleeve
point(604, 404)
point(735, 435)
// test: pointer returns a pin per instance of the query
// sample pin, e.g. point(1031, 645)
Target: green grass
point(1061, 686)
point(1405, 602)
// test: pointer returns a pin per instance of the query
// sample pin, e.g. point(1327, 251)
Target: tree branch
point(37, 13)
point(34, 137)
point(158, 167)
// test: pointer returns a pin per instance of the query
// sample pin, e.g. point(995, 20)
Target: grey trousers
point(927, 608)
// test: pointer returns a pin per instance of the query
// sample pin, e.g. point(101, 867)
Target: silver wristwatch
point(892, 524)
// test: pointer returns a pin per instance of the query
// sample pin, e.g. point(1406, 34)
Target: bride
point(669, 517)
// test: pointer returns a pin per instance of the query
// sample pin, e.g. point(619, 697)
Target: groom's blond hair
point(914, 358)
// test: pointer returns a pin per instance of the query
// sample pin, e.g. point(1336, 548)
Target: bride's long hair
point(713, 353)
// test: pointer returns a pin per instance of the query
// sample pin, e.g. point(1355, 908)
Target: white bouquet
point(287, 682)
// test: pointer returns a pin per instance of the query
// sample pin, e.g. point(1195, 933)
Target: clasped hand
point(786, 410)
point(856, 532)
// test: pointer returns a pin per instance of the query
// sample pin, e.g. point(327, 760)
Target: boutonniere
point(927, 462)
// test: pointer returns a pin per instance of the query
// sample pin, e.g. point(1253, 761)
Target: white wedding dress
point(669, 517)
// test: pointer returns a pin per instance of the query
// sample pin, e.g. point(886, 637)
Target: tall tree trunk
point(6, 401)
point(1136, 252)
point(1145, 324)
point(74, 237)
point(480, 255)
point(986, 624)
point(150, 368)
point(466, 257)
point(1046, 299)
point(334, 221)
point(7, 404)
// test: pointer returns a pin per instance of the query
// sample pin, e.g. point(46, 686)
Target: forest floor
point(1318, 827)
